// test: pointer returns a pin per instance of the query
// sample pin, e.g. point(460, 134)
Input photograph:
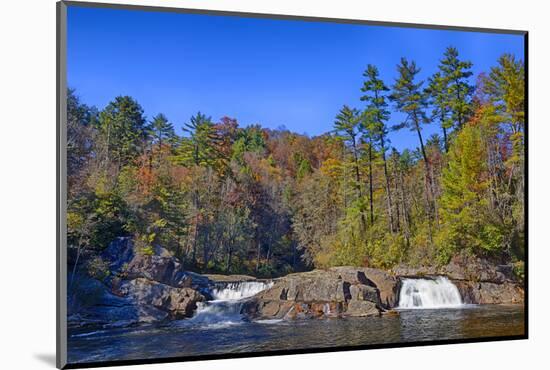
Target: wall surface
point(27, 181)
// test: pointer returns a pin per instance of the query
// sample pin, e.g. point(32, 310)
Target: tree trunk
point(388, 189)
point(358, 183)
point(446, 143)
point(428, 183)
point(370, 185)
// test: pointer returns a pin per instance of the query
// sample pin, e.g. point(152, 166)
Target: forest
point(228, 198)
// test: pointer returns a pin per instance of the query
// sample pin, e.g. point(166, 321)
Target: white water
point(225, 309)
point(245, 289)
point(429, 293)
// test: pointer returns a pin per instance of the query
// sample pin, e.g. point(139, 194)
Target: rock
point(464, 267)
point(408, 271)
point(177, 302)
point(141, 288)
point(93, 305)
point(217, 278)
point(490, 293)
point(362, 308)
point(479, 280)
point(317, 294)
point(387, 285)
point(161, 266)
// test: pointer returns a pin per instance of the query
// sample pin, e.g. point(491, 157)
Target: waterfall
point(439, 292)
point(225, 308)
point(240, 290)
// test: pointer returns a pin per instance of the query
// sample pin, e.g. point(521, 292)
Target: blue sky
point(272, 72)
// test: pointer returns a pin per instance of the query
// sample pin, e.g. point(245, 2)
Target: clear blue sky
point(272, 72)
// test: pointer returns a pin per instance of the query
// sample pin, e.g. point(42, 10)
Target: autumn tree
point(464, 207)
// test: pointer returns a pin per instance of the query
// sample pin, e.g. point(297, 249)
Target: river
point(218, 328)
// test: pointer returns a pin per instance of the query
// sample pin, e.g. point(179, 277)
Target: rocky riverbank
point(147, 288)
point(478, 280)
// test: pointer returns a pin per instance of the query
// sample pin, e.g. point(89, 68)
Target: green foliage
point(464, 205)
point(123, 129)
point(456, 90)
point(199, 148)
point(161, 130)
point(519, 270)
point(98, 268)
point(409, 97)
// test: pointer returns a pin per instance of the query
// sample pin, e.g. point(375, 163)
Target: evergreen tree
point(161, 130)
point(455, 74)
point(377, 110)
point(123, 130)
point(411, 99)
point(441, 106)
point(199, 148)
point(348, 125)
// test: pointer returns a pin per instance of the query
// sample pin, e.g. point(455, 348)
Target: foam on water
point(225, 309)
point(439, 292)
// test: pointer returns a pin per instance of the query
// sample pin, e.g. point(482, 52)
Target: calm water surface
point(184, 338)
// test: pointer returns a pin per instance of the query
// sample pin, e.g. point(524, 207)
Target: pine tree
point(161, 129)
point(455, 74)
point(200, 147)
point(377, 114)
point(411, 99)
point(440, 102)
point(348, 125)
point(123, 130)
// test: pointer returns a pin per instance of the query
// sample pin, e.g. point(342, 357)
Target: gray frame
point(61, 191)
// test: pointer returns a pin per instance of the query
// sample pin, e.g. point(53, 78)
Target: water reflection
point(181, 339)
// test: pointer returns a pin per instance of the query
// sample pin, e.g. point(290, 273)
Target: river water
point(203, 337)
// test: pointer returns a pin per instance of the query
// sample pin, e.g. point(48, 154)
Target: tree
point(440, 101)
point(348, 126)
point(455, 74)
point(377, 114)
point(200, 147)
point(123, 130)
point(502, 114)
point(81, 132)
point(410, 99)
point(161, 129)
point(505, 86)
point(464, 205)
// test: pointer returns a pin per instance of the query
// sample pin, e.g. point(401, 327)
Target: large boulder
point(140, 288)
point(387, 285)
point(490, 293)
point(471, 268)
point(161, 266)
point(315, 294)
point(178, 303)
point(92, 304)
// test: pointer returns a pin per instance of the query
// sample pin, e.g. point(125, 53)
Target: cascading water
point(225, 309)
point(233, 291)
point(439, 292)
